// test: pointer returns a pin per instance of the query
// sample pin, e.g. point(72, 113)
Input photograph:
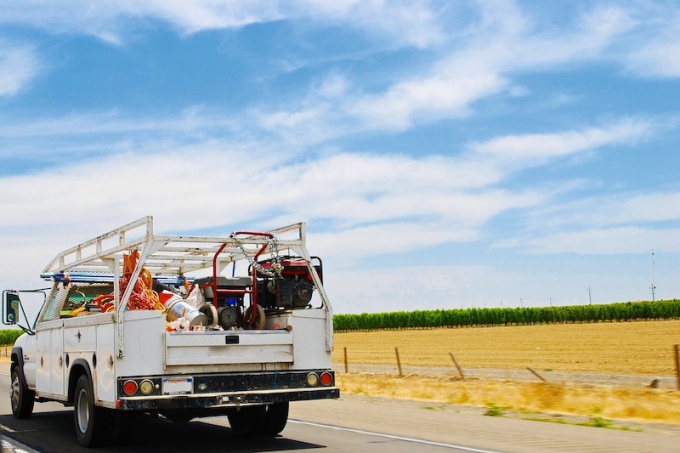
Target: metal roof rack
point(165, 255)
point(169, 255)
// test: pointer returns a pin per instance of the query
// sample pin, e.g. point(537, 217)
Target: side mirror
point(11, 303)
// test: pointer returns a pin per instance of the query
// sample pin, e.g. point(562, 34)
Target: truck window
point(55, 303)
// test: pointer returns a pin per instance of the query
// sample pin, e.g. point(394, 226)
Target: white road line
point(388, 436)
point(11, 445)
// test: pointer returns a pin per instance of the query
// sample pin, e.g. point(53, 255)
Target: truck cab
point(180, 326)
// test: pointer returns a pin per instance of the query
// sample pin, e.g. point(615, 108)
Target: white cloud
point(400, 22)
point(537, 148)
point(108, 122)
point(353, 244)
point(608, 211)
point(107, 18)
point(617, 223)
point(18, 66)
point(658, 58)
point(519, 91)
point(504, 41)
point(392, 203)
point(477, 62)
point(404, 286)
point(334, 85)
point(652, 207)
point(396, 21)
point(654, 49)
point(272, 164)
point(445, 93)
point(604, 241)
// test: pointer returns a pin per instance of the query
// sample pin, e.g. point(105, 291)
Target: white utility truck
point(180, 326)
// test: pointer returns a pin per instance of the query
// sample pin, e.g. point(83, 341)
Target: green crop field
point(478, 317)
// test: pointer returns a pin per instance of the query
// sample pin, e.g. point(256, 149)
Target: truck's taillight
point(146, 387)
point(130, 388)
point(312, 379)
point(326, 378)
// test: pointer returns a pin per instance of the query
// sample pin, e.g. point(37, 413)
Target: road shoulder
point(462, 425)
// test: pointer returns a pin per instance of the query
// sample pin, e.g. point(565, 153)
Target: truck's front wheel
point(91, 422)
point(21, 397)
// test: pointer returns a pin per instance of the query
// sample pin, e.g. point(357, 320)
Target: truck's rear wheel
point(123, 427)
point(276, 417)
point(267, 420)
point(244, 421)
point(91, 422)
point(22, 399)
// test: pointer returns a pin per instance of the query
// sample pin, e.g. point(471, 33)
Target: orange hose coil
point(143, 297)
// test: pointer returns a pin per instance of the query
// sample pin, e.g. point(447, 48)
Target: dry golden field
point(574, 352)
point(578, 351)
point(629, 347)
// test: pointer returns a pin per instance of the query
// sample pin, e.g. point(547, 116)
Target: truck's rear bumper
point(229, 390)
point(224, 400)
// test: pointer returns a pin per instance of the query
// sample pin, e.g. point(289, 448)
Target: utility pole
point(590, 295)
point(653, 287)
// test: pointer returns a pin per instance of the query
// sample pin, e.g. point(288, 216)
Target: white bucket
point(177, 307)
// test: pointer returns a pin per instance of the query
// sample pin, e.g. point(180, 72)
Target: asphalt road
point(350, 424)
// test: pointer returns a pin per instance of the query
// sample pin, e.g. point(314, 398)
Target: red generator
point(291, 286)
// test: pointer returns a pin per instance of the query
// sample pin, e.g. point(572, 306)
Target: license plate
point(178, 385)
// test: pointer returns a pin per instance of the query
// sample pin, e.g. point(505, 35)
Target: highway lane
point(50, 429)
point(352, 423)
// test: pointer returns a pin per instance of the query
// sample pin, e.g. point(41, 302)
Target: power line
point(653, 287)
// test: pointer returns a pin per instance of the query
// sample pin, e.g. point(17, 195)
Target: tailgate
point(228, 347)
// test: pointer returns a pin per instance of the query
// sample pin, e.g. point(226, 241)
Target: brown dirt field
point(611, 350)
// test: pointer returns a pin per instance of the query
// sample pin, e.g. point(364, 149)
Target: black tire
point(180, 419)
point(21, 398)
point(92, 423)
point(276, 418)
point(267, 420)
point(124, 427)
point(246, 420)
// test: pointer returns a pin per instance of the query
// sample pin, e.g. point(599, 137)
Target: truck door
point(58, 367)
point(42, 359)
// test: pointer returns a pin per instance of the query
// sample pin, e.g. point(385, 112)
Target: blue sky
point(443, 154)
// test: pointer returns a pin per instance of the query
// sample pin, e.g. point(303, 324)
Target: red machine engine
point(290, 287)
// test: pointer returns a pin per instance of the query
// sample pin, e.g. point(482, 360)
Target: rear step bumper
point(225, 400)
point(226, 390)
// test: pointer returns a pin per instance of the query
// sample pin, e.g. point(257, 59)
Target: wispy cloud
point(653, 50)
point(445, 93)
point(603, 241)
point(500, 42)
point(397, 22)
point(19, 64)
point(607, 224)
point(438, 199)
point(607, 211)
point(535, 149)
point(411, 129)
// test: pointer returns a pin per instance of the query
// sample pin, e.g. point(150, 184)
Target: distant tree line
point(488, 317)
point(481, 317)
point(9, 336)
